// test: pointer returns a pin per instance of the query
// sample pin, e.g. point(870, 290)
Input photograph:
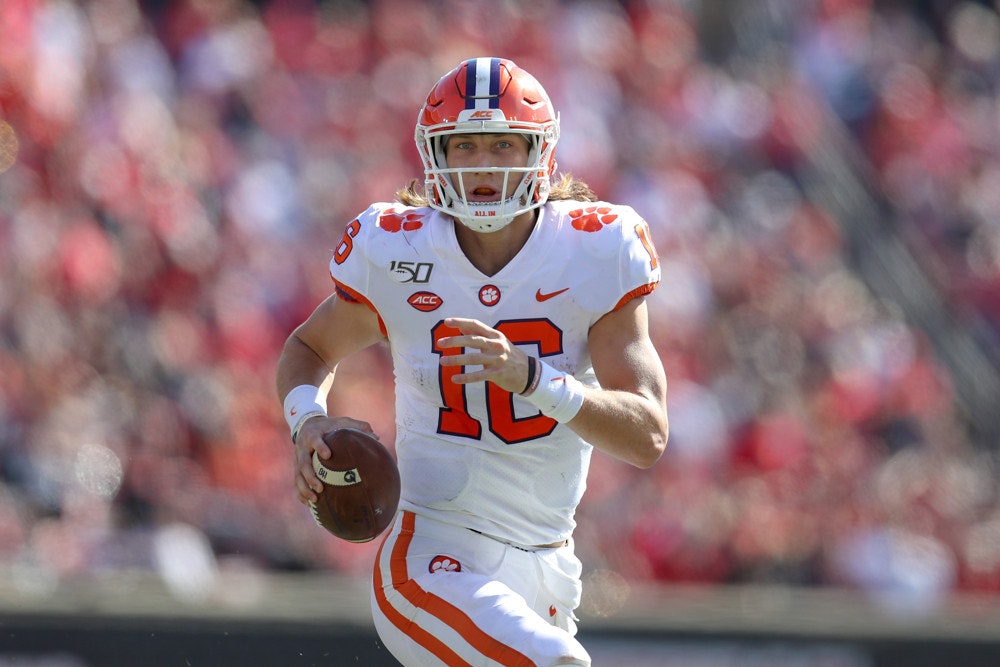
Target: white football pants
point(445, 595)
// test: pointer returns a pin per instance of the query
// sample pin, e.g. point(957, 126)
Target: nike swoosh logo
point(545, 297)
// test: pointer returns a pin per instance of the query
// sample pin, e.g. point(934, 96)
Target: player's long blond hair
point(566, 187)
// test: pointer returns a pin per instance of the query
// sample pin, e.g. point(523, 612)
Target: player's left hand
point(502, 362)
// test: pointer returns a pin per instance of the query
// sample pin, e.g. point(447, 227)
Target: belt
point(529, 549)
point(554, 545)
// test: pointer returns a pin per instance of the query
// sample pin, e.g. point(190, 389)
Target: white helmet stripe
point(485, 91)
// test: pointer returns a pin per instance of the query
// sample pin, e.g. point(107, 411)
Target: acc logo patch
point(444, 564)
point(425, 302)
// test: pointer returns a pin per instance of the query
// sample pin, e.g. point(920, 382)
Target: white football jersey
point(475, 455)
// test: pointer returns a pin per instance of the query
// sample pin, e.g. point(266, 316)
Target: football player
point(513, 303)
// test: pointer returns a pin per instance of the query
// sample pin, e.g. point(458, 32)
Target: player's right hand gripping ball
point(360, 486)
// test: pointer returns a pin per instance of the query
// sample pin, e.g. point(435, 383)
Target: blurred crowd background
point(822, 178)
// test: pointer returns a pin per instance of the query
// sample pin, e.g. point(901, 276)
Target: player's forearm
point(300, 364)
point(627, 426)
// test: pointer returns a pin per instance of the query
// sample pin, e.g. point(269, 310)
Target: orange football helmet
point(487, 95)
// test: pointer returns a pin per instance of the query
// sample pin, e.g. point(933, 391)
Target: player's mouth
point(483, 193)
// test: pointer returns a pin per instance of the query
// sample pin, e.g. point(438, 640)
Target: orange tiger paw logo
point(592, 218)
point(391, 221)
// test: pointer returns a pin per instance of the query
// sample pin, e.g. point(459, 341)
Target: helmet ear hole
point(437, 147)
point(534, 147)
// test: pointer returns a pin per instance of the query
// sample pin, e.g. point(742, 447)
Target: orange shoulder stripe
point(637, 292)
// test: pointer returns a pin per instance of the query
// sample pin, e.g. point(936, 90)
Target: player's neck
point(490, 252)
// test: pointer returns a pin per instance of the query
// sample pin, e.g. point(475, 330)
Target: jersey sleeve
point(362, 256)
point(352, 264)
point(607, 253)
point(350, 267)
point(639, 267)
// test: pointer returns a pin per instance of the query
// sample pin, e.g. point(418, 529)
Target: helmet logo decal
point(489, 295)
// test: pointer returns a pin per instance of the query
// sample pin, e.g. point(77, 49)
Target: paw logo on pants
point(444, 564)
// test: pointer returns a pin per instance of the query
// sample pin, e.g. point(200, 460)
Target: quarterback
point(513, 303)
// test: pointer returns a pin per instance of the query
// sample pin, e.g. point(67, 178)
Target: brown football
point(360, 486)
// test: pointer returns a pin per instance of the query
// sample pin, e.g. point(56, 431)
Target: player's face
point(471, 151)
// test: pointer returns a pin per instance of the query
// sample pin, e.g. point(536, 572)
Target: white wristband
point(559, 395)
point(301, 402)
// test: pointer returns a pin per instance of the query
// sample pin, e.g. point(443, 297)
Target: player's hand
point(310, 439)
point(503, 363)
